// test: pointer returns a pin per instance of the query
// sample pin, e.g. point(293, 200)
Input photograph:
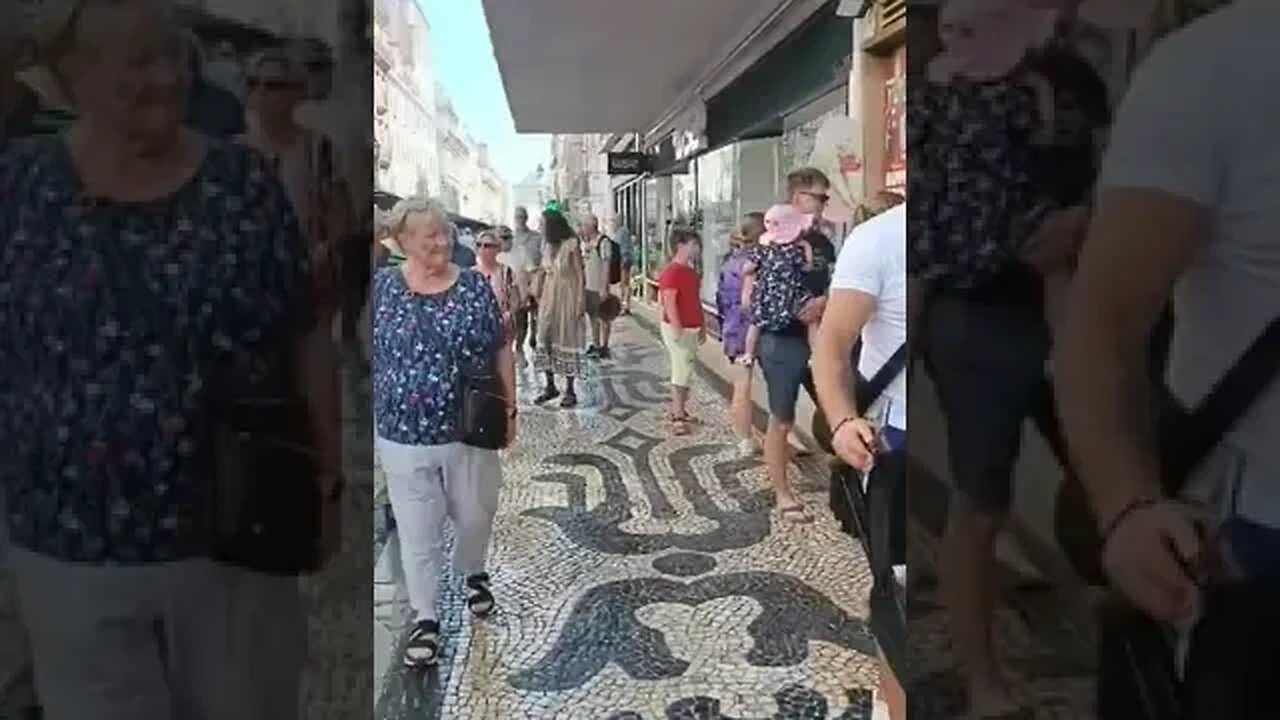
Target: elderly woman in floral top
point(138, 258)
point(433, 324)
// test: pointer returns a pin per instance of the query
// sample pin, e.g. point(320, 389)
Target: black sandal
point(479, 596)
point(548, 394)
point(570, 400)
point(423, 646)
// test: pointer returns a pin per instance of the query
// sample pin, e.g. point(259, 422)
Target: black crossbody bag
point(484, 406)
point(877, 516)
point(1137, 672)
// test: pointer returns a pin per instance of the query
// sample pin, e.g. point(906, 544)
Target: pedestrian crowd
point(449, 340)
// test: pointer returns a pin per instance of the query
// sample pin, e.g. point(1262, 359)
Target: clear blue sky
point(465, 66)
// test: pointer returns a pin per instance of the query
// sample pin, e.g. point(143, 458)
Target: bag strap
point(1189, 437)
point(870, 391)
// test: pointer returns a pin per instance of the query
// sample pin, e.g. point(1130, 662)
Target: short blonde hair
point(417, 205)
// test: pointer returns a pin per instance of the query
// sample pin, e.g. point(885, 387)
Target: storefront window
point(718, 202)
point(654, 231)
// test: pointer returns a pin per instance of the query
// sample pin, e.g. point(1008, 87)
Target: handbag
point(267, 509)
point(876, 515)
point(484, 408)
point(1137, 672)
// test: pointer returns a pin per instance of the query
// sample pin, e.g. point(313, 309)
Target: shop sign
point(688, 143)
point(629, 163)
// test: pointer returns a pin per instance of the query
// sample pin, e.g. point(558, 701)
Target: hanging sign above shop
point(688, 144)
point(629, 163)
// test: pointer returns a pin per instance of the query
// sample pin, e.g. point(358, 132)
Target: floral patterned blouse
point(781, 287)
point(109, 311)
point(973, 202)
point(421, 345)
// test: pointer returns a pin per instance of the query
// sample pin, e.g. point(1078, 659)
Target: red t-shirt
point(685, 281)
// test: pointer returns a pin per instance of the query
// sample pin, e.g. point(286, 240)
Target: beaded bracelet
point(1129, 509)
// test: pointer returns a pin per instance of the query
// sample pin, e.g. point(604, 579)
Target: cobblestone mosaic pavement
point(640, 577)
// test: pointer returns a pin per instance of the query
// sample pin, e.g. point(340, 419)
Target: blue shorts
point(784, 361)
point(987, 365)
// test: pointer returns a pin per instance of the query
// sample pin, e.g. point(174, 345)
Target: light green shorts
point(682, 349)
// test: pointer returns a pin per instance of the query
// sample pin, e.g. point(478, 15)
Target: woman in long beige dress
point(561, 309)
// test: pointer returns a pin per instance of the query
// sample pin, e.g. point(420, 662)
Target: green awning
point(808, 64)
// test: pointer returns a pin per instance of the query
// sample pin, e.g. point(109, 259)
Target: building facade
point(404, 101)
point(580, 176)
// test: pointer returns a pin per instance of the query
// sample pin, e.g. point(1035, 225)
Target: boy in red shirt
point(682, 327)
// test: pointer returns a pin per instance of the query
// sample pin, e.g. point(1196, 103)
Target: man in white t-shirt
point(597, 254)
point(868, 300)
point(1187, 211)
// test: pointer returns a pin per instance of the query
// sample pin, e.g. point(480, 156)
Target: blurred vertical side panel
point(187, 464)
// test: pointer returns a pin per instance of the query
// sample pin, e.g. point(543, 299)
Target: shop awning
point(610, 65)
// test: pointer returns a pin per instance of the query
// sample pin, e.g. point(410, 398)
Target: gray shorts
point(593, 303)
point(987, 363)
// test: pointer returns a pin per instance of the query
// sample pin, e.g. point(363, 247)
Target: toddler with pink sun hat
point(779, 264)
point(973, 129)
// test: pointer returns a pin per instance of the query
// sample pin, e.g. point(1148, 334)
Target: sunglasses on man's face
point(488, 245)
point(270, 85)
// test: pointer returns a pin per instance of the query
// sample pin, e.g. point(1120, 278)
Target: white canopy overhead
point(594, 66)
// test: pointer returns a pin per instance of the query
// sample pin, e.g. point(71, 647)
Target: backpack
point(615, 258)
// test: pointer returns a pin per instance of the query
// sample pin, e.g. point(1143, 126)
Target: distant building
point(404, 101)
point(533, 192)
point(580, 175)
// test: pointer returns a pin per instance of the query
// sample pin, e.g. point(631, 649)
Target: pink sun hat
point(783, 224)
point(986, 39)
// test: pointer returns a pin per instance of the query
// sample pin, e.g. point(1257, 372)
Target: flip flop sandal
point(796, 515)
point(679, 428)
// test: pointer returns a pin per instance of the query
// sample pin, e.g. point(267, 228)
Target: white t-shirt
point(873, 260)
point(1199, 122)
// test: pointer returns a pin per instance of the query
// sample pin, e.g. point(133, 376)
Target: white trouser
point(427, 484)
point(186, 640)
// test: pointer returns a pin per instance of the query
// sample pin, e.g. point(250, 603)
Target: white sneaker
point(747, 447)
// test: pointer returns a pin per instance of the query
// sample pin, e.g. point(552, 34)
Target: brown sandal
point(796, 514)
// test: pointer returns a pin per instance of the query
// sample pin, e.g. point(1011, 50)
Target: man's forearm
point(1104, 400)
point(833, 374)
point(671, 311)
point(507, 373)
